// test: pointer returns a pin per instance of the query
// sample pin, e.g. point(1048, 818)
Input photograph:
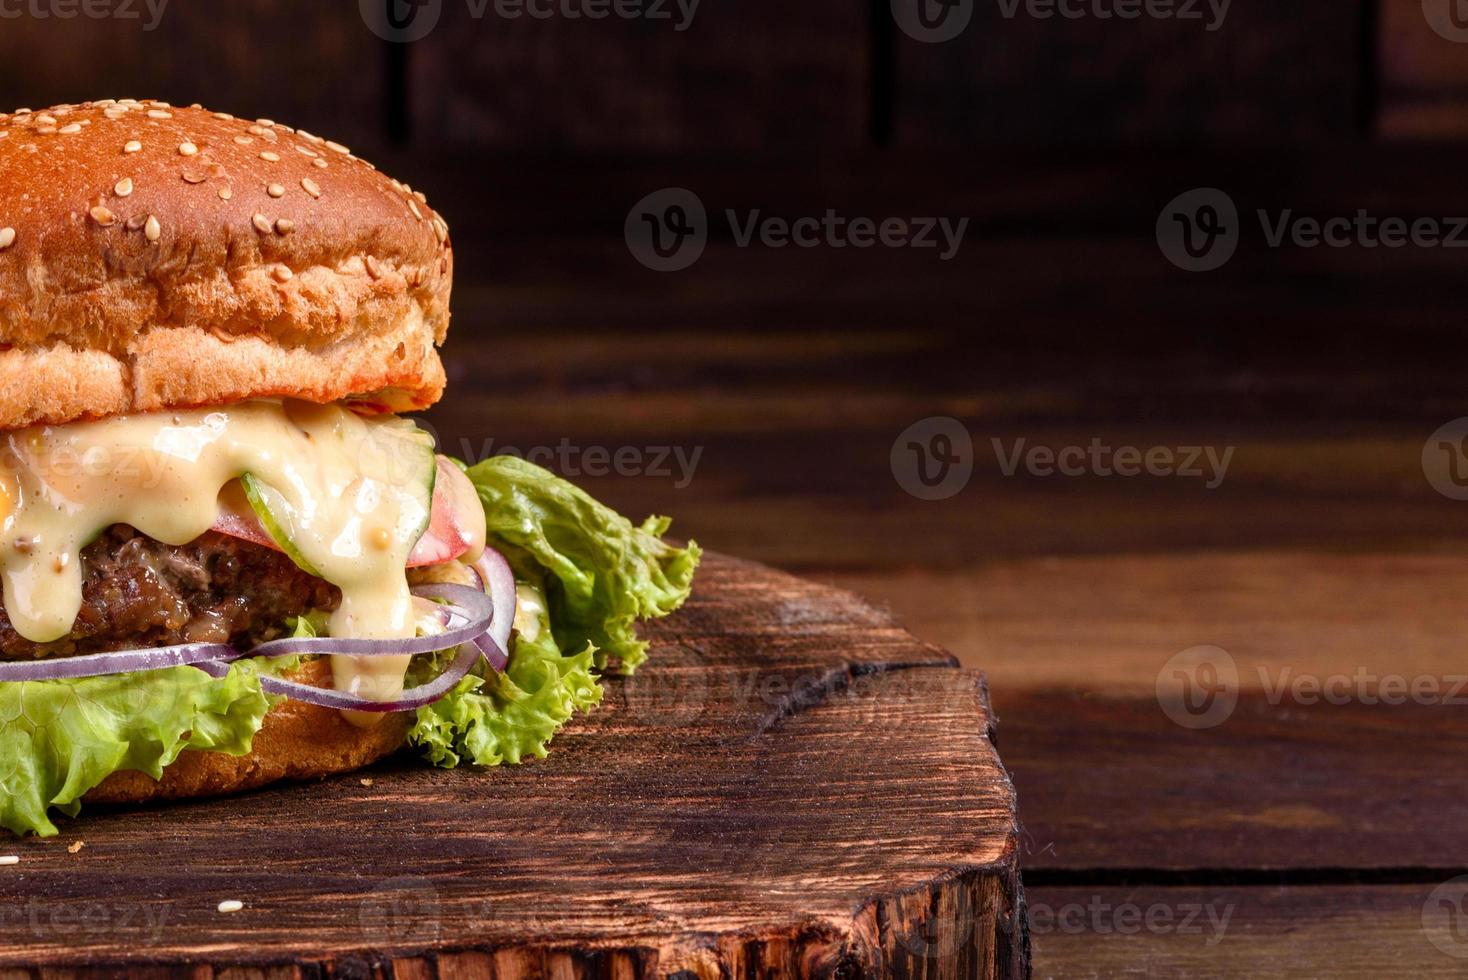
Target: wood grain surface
point(794, 787)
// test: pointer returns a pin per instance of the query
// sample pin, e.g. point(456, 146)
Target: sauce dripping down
point(350, 494)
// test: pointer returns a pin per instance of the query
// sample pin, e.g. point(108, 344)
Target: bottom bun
point(296, 741)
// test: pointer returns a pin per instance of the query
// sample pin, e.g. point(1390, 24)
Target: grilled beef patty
point(138, 593)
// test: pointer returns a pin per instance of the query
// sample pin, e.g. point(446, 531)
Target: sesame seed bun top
point(154, 257)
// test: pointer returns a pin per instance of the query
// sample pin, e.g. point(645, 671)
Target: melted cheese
point(345, 489)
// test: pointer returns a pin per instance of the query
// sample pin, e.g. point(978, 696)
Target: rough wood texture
point(794, 787)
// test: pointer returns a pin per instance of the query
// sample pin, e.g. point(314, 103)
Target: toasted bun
point(222, 259)
point(297, 741)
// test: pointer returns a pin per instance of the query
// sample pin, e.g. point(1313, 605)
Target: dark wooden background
point(1324, 828)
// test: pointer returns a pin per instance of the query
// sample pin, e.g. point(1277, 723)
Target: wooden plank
point(794, 787)
point(1272, 933)
point(314, 66)
point(1110, 781)
point(697, 76)
point(1267, 73)
point(1315, 767)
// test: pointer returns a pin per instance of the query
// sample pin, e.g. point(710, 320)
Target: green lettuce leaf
point(603, 572)
point(599, 574)
point(59, 739)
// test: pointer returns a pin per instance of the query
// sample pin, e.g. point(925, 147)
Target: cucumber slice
point(266, 504)
point(396, 453)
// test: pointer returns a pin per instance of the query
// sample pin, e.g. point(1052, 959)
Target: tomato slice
point(455, 523)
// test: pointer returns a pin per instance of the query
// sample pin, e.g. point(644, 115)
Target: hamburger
point(228, 557)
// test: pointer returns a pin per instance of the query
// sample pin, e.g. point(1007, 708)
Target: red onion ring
point(412, 700)
point(118, 662)
point(471, 607)
point(499, 582)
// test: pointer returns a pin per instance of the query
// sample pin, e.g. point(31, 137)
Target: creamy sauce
point(346, 490)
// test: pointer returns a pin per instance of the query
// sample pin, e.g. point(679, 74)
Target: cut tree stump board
point(793, 786)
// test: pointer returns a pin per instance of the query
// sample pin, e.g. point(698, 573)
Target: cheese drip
point(348, 492)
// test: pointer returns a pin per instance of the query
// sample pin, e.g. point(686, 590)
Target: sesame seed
point(187, 149)
point(283, 274)
point(440, 229)
point(45, 119)
point(320, 163)
point(308, 136)
point(159, 114)
point(268, 135)
point(422, 198)
point(123, 187)
point(267, 123)
point(306, 151)
point(9, 860)
point(160, 104)
point(225, 193)
point(284, 226)
point(102, 216)
point(116, 112)
point(233, 905)
point(275, 190)
point(223, 115)
point(337, 147)
point(46, 130)
point(261, 223)
point(373, 268)
point(270, 157)
point(311, 187)
point(70, 128)
point(152, 230)
point(131, 146)
point(7, 238)
point(413, 206)
point(243, 140)
point(193, 178)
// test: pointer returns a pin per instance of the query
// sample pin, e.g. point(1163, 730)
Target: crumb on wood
point(75, 847)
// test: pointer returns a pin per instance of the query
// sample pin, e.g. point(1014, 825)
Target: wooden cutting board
point(793, 786)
